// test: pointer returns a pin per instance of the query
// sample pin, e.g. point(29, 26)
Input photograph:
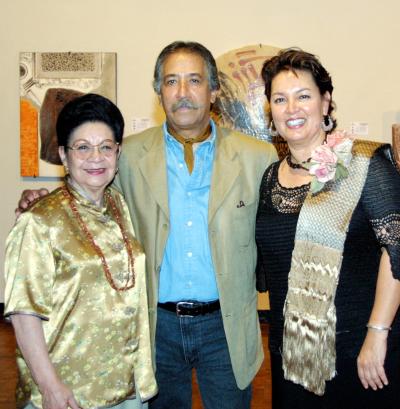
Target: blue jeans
point(184, 343)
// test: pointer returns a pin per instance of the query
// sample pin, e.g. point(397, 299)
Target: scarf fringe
point(309, 352)
point(311, 362)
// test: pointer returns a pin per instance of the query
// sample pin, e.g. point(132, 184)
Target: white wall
point(357, 42)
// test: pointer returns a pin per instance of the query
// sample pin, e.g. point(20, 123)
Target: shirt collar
point(82, 198)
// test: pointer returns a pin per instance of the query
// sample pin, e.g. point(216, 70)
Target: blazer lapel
point(154, 170)
point(225, 171)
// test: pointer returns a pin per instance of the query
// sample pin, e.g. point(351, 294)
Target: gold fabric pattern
point(309, 351)
point(98, 338)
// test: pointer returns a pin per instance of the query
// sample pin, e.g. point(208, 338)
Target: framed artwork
point(396, 143)
point(47, 82)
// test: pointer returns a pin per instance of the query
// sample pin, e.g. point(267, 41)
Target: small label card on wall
point(359, 128)
point(140, 124)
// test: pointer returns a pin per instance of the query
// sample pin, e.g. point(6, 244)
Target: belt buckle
point(183, 304)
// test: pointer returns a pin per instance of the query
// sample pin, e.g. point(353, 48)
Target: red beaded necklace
point(130, 281)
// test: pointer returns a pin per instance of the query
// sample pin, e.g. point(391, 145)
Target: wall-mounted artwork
point(241, 103)
point(396, 143)
point(47, 82)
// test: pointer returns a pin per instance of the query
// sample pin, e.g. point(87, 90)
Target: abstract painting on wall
point(47, 82)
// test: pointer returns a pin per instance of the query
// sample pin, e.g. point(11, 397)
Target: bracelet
point(378, 327)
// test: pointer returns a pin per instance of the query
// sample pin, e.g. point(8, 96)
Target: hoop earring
point(327, 123)
point(272, 130)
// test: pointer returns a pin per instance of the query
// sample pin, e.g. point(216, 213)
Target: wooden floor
point(8, 374)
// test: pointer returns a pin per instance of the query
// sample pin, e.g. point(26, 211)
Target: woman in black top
point(328, 234)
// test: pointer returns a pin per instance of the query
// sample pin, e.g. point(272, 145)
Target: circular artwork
point(241, 104)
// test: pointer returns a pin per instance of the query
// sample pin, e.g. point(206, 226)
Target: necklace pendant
point(104, 218)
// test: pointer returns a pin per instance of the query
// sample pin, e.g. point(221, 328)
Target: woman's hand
point(373, 352)
point(371, 359)
point(58, 396)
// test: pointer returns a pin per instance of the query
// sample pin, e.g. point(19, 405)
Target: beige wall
point(358, 43)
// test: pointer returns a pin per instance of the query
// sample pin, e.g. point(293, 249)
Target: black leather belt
point(190, 308)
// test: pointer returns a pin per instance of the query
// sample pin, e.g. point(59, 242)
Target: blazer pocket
point(244, 224)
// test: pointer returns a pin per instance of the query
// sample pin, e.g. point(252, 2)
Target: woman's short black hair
point(295, 59)
point(88, 108)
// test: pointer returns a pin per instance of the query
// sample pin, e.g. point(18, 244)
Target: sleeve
point(381, 200)
point(29, 268)
point(261, 274)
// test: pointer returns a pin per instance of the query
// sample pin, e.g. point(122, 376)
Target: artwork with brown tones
point(47, 82)
point(396, 143)
point(241, 103)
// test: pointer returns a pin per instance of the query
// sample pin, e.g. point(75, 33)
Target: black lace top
point(375, 223)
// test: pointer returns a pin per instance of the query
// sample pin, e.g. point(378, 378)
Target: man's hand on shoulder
point(27, 197)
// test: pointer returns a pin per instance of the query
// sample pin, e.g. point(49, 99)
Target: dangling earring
point(327, 123)
point(66, 170)
point(272, 130)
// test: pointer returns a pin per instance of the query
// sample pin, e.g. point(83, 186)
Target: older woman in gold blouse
point(75, 285)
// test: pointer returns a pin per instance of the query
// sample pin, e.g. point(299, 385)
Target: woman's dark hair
point(295, 59)
point(190, 47)
point(88, 108)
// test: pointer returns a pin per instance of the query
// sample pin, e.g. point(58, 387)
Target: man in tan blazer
point(192, 192)
point(186, 82)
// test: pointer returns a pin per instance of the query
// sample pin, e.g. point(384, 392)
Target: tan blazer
point(239, 164)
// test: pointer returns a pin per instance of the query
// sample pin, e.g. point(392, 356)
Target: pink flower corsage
point(330, 161)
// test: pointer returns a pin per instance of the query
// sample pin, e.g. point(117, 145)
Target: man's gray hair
point(188, 47)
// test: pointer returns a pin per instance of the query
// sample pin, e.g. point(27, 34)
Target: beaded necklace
point(130, 281)
point(296, 165)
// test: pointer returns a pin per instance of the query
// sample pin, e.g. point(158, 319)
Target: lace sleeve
point(381, 200)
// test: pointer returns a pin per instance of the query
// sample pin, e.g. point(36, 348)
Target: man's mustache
point(184, 103)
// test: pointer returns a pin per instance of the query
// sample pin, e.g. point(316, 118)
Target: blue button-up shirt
point(187, 271)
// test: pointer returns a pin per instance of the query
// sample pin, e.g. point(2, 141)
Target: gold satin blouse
point(98, 338)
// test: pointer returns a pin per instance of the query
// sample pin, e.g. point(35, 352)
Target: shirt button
point(189, 193)
point(189, 254)
point(117, 246)
point(181, 165)
point(104, 218)
point(189, 223)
